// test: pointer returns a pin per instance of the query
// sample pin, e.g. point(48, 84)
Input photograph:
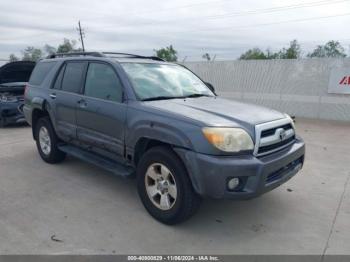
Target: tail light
point(25, 89)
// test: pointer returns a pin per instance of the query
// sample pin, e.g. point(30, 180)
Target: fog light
point(233, 183)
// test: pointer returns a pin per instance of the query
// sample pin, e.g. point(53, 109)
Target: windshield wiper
point(196, 95)
point(173, 97)
point(161, 98)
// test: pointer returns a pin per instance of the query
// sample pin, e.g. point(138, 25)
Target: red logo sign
point(345, 80)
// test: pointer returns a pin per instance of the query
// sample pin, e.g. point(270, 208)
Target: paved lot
point(89, 211)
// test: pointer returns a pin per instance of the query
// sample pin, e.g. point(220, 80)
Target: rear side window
point(40, 71)
point(73, 76)
point(102, 82)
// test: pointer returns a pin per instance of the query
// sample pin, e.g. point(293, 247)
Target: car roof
point(107, 56)
point(110, 59)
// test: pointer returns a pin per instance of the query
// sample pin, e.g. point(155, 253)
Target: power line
point(265, 24)
point(277, 9)
point(222, 16)
point(247, 12)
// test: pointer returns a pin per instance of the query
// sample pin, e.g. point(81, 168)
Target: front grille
point(282, 171)
point(271, 131)
point(268, 148)
point(273, 136)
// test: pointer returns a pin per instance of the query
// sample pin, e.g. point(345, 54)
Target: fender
point(160, 131)
point(38, 103)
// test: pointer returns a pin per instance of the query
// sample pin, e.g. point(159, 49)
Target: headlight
point(7, 98)
point(229, 139)
point(291, 120)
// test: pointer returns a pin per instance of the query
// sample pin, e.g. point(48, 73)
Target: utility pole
point(82, 35)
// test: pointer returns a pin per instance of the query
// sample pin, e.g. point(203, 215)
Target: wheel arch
point(39, 111)
point(146, 143)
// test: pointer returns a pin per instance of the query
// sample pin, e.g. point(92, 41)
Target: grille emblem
point(281, 133)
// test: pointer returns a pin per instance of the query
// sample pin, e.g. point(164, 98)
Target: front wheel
point(164, 186)
point(47, 142)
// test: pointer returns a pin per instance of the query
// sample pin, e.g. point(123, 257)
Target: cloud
point(223, 27)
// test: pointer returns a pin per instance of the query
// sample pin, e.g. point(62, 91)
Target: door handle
point(82, 103)
point(53, 95)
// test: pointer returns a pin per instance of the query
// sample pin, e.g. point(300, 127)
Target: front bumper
point(210, 174)
point(11, 113)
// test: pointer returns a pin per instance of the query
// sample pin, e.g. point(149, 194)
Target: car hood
point(19, 71)
point(215, 111)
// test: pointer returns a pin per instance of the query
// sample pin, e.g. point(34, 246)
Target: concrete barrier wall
point(297, 87)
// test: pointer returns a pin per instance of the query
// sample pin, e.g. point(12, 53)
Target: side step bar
point(105, 163)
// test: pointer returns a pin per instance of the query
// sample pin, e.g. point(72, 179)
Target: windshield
point(162, 81)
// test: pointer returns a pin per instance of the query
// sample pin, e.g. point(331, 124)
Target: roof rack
point(104, 54)
point(132, 56)
point(97, 54)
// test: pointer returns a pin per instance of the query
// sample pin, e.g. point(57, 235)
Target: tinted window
point(40, 71)
point(58, 81)
point(102, 82)
point(72, 77)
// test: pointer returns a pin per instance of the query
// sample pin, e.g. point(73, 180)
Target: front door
point(101, 112)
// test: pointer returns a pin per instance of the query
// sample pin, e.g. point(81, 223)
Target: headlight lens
point(229, 139)
point(291, 120)
point(7, 98)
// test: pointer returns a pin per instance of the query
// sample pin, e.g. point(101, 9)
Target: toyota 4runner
point(141, 116)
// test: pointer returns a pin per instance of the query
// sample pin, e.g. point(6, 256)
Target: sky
point(222, 28)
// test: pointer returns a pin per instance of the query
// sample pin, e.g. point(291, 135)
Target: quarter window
point(58, 81)
point(40, 71)
point(102, 82)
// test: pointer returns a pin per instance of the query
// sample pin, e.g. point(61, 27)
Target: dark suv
point(13, 78)
point(136, 115)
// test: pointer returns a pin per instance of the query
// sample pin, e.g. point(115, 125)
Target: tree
point(67, 46)
point(292, 52)
point(168, 53)
point(49, 50)
point(32, 54)
point(206, 56)
point(254, 53)
point(271, 55)
point(13, 58)
point(330, 49)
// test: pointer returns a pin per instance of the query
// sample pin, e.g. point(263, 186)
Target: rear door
point(101, 112)
point(65, 95)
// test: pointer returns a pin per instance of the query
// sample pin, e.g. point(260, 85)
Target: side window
point(73, 76)
point(59, 77)
point(102, 82)
point(40, 71)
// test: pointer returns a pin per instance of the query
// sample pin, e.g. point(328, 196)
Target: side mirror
point(210, 86)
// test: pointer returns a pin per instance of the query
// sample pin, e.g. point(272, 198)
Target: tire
point(52, 154)
point(154, 164)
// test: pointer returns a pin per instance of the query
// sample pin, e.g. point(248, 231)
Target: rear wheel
point(164, 186)
point(47, 142)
